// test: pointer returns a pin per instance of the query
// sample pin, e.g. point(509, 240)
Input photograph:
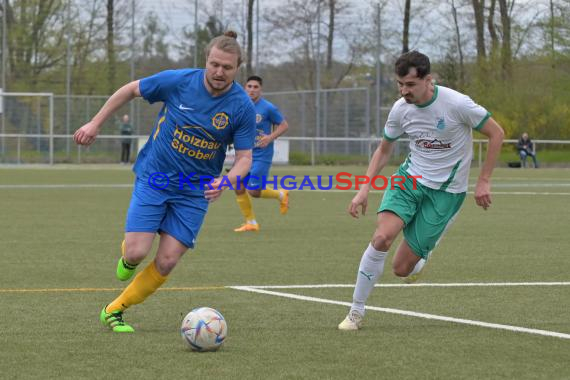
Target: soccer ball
point(204, 329)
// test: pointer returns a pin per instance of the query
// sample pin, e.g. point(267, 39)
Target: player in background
point(439, 122)
point(267, 116)
point(203, 111)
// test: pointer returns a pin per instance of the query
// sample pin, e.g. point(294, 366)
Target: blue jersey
point(267, 115)
point(193, 128)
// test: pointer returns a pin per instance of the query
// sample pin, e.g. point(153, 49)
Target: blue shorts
point(255, 178)
point(178, 214)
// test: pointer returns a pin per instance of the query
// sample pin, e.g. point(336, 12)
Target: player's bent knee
point(381, 241)
point(255, 193)
point(135, 253)
point(165, 265)
point(401, 270)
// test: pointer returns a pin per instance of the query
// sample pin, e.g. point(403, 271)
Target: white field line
point(499, 178)
point(128, 186)
point(324, 180)
point(417, 285)
point(515, 185)
point(410, 313)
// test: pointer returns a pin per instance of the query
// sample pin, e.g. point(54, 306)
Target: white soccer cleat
point(353, 321)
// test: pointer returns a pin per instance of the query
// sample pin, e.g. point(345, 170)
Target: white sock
point(252, 221)
point(419, 265)
point(369, 271)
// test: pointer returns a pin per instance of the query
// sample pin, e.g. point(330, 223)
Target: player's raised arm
point(87, 134)
point(268, 139)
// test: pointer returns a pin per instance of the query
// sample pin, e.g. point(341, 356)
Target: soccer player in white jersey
point(439, 122)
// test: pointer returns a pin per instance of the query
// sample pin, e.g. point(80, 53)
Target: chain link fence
point(37, 128)
point(331, 127)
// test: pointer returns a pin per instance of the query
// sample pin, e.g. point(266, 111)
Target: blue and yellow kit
point(189, 142)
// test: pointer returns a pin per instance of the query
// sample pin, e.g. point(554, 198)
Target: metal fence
point(37, 128)
point(28, 119)
point(303, 150)
point(343, 112)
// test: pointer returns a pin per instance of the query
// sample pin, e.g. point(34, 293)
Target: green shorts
point(426, 212)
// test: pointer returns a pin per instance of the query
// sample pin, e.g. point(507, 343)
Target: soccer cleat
point(353, 321)
point(247, 227)
point(114, 321)
point(284, 202)
point(124, 270)
point(412, 278)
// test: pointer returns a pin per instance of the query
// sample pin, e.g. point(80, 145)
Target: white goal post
point(3, 118)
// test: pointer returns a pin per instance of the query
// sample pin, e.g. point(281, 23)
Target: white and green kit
point(441, 150)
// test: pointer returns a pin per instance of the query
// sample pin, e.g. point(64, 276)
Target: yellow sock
point(270, 193)
point(244, 202)
point(144, 284)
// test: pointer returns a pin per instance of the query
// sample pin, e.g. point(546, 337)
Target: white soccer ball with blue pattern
point(204, 329)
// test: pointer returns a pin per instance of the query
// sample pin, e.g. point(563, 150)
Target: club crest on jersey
point(258, 118)
point(220, 120)
point(440, 123)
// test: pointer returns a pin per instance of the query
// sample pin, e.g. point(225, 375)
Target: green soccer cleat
point(124, 270)
point(114, 321)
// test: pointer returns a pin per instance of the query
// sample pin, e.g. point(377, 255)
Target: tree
point(35, 38)
point(459, 47)
point(479, 13)
point(552, 51)
point(87, 39)
point(506, 54)
point(493, 30)
point(249, 22)
point(406, 32)
point(202, 37)
point(330, 36)
point(110, 48)
point(153, 44)
point(295, 23)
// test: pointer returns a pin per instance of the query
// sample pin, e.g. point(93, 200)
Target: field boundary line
point(128, 186)
point(407, 313)
point(82, 290)
point(314, 286)
point(417, 285)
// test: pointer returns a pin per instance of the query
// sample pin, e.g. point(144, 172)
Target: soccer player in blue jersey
point(267, 117)
point(203, 111)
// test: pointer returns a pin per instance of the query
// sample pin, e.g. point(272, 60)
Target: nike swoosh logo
point(185, 108)
point(368, 276)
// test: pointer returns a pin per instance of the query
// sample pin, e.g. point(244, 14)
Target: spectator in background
point(126, 130)
point(526, 148)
